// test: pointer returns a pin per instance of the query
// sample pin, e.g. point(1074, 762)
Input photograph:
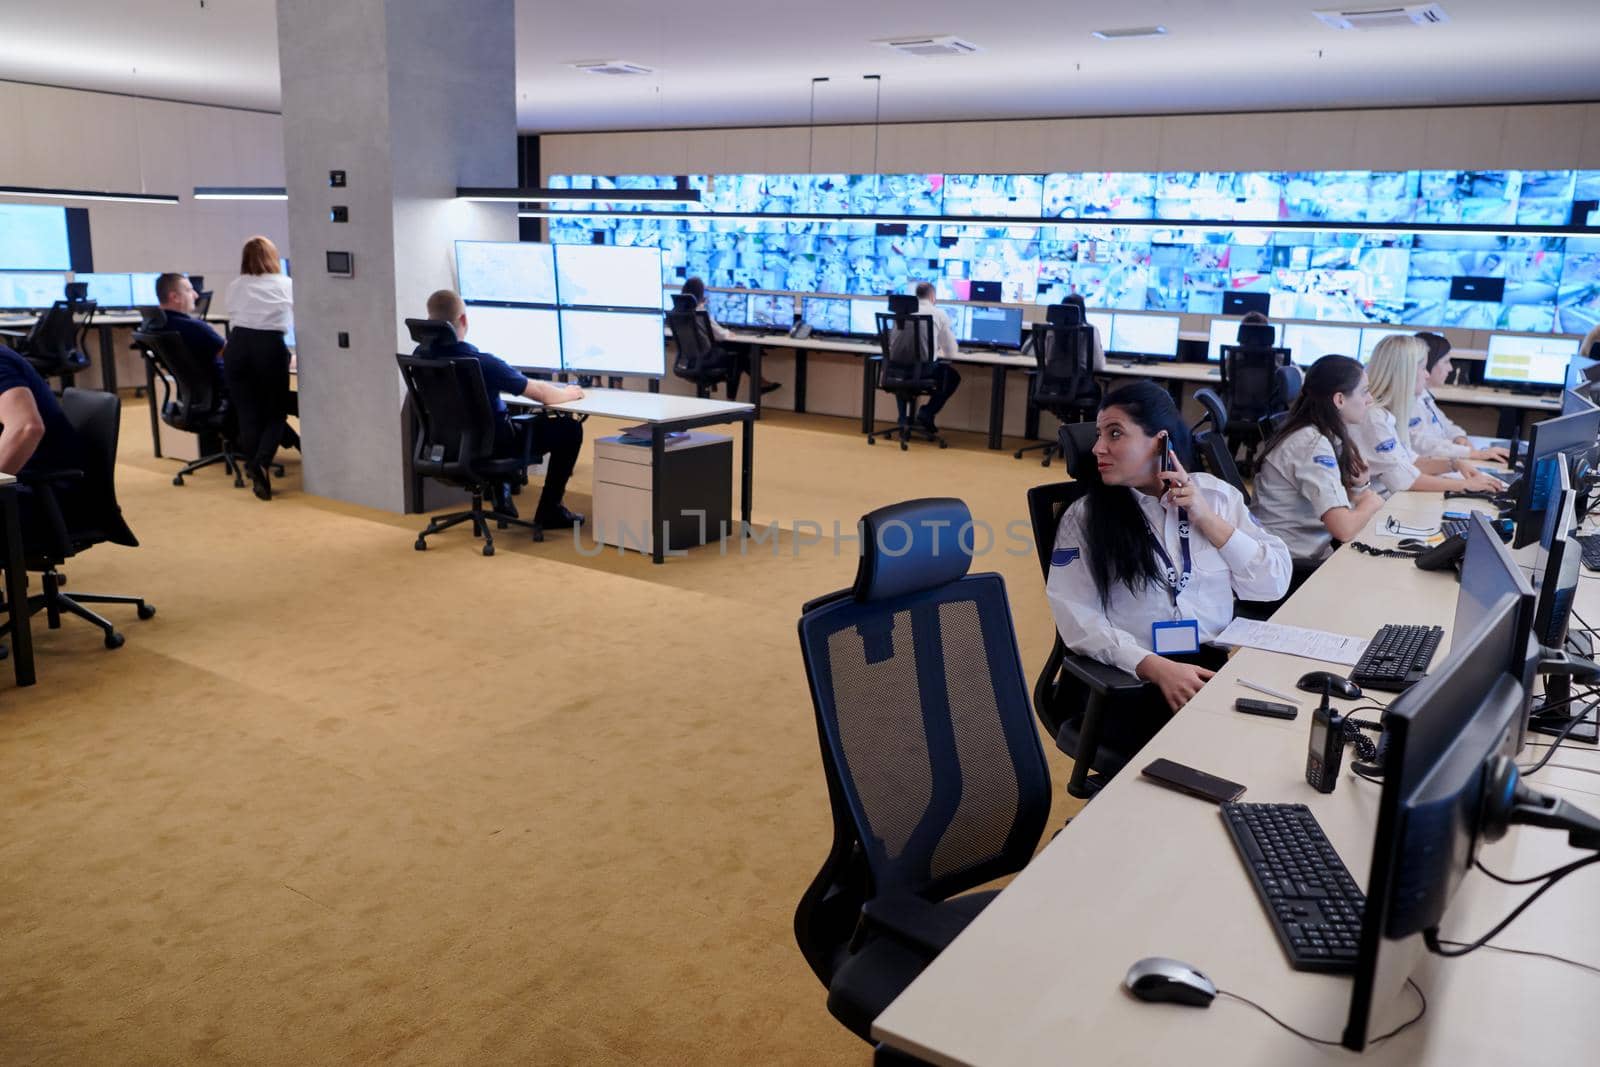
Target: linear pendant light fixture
point(87, 194)
point(240, 192)
point(532, 195)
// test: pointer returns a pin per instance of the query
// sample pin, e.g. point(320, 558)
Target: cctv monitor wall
point(826, 314)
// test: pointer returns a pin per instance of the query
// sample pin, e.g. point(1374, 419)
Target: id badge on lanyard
point(1180, 636)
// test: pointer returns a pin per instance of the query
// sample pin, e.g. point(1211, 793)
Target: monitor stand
point(1557, 691)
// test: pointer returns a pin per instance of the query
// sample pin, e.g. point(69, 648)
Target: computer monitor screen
point(1573, 402)
point(994, 326)
point(1226, 332)
point(144, 289)
point(506, 272)
point(960, 316)
point(863, 316)
point(621, 276)
point(33, 237)
point(612, 342)
point(31, 289)
point(522, 336)
point(766, 310)
point(1307, 343)
point(1101, 321)
point(729, 309)
point(1371, 337)
point(1488, 574)
point(1145, 335)
point(109, 290)
point(1556, 562)
point(1569, 434)
point(826, 314)
point(1240, 303)
point(1528, 360)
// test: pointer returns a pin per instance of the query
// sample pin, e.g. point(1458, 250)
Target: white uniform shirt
point(1296, 484)
point(1253, 564)
point(944, 337)
point(719, 332)
point(1387, 452)
point(1432, 433)
point(261, 302)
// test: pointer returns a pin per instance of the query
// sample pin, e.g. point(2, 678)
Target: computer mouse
point(1336, 686)
point(1166, 981)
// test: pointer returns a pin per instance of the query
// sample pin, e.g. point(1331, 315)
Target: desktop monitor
point(1535, 361)
point(1372, 336)
point(999, 327)
point(1102, 322)
point(1308, 343)
point(608, 276)
point(1555, 564)
point(1573, 436)
point(109, 290)
point(984, 292)
point(729, 309)
point(1242, 303)
point(612, 342)
point(31, 290)
point(769, 311)
point(524, 337)
point(1438, 737)
point(830, 315)
point(1144, 336)
point(506, 272)
point(1573, 401)
point(1226, 332)
point(864, 316)
point(198, 281)
point(144, 289)
point(34, 237)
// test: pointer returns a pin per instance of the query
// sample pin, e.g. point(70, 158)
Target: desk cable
point(1423, 1010)
point(1566, 732)
point(1436, 945)
point(1528, 952)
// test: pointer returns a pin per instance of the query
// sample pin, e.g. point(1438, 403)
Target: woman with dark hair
point(1148, 562)
point(1432, 432)
point(1312, 485)
point(738, 352)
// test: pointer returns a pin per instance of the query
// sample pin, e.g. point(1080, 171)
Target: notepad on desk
point(1293, 641)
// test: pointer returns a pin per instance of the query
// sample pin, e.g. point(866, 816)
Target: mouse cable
point(1564, 869)
point(1430, 936)
point(1322, 1040)
point(1577, 721)
point(1529, 952)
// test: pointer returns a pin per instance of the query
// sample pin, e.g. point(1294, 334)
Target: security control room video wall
point(1519, 277)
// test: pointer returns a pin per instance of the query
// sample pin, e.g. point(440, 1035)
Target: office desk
point(1144, 871)
point(104, 327)
point(666, 414)
point(1513, 406)
point(16, 581)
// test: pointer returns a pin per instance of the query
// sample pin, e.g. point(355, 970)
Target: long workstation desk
point(105, 327)
point(1143, 871)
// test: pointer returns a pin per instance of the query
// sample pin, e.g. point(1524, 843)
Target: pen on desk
point(1269, 692)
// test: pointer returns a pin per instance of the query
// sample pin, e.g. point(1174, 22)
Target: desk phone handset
point(1444, 556)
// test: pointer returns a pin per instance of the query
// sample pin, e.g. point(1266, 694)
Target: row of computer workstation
point(1399, 870)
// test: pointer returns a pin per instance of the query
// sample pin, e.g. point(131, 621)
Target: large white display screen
point(1226, 332)
point(34, 237)
point(523, 337)
point(144, 289)
point(1145, 335)
point(608, 276)
point(1372, 337)
point(1529, 360)
point(611, 342)
point(1307, 344)
point(864, 316)
point(31, 289)
point(507, 272)
point(109, 290)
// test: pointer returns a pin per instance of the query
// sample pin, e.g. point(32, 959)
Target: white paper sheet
point(1293, 641)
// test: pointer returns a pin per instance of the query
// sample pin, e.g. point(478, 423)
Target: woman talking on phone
point(1147, 563)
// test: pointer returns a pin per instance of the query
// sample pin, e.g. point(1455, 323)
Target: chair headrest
point(1064, 315)
point(1257, 335)
point(77, 291)
point(901, 304)
point(684, 302)
point(1077, 448)
point(912, 546)
point(431, 333)
point(153, 319)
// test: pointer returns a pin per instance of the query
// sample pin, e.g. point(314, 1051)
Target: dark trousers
point(738, 367)
point(256, 367)
point(1128, 725)
point(947, 380)
point(556, 435)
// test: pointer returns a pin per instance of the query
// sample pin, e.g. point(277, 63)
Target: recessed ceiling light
point(611, 66)
point(1131, 31)
point(1401, 16)
point(930, 46)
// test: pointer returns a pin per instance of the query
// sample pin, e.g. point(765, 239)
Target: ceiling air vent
point(1385, 18)
point(611, 66)
point(930, 46)
point(1129, 32)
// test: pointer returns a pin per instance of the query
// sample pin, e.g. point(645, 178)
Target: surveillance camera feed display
point(33, 237)
point(608, 276)
point(1307, 343)
point(507, 272)
point(729, 309)
point(108, 290)
point(1144, 336)
point(768, 312)
point(524, 337)
point(612, 342)
point(1519, 282)
point(1529, 361)
point(826, 315)
point(31, 290)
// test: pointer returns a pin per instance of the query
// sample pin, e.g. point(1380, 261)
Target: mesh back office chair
point(1064, 383)
point(699, 359)
point(455, 440)
point(71, 511)
point(55, 343)
point(1211, 444)
point(193, 399)
point(935, 774)
point(202, 304)
point(906, 373)
point(1250, 386)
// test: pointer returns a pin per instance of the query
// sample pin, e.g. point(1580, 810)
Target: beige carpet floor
point(345, 802)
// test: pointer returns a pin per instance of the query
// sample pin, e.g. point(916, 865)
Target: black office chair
point(456, 434)
point(55, 343)
point(1064, 384)
point(700, 359)
point(71, 511)
point(193, 398)
point(906, 373)
point(202, 304)
point(935, 774)
point(1250, 386)
point(1211, 444)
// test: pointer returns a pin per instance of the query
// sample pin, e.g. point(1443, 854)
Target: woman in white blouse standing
point(256, 361)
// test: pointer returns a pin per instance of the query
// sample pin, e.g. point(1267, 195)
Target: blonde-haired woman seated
point(1396, 374)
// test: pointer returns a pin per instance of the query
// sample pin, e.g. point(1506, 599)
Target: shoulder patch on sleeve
point(1326, 461)
point(1416, 420)
point(1386, 446)
point(1062, 557)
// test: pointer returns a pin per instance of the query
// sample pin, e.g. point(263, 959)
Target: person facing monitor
point(176, 295)
point(1432, 432)
point(738, 353)
point(561, 438)
point(946, 378)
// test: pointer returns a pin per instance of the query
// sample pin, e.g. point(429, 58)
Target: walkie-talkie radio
point(1325, 751)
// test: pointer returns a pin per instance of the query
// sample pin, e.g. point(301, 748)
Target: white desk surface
point(1483, 394)
point(1143, 871)
point(639, 406)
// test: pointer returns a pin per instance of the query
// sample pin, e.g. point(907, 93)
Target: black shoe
point(504, 503)
point(560, 519)
point(259, 485)
point(770, 387)
point(925, 422)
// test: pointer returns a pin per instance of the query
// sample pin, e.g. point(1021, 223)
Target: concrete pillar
point(409, 98)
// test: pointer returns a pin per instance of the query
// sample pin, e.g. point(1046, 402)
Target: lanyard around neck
point(1174, 581)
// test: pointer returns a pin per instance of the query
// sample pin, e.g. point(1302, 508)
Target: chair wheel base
point(488, 550)
point(904, 446)
point(943, 443)
point(146, 611)
point(177, 480)
point(115, 640)
point(421, 545)
point(872, 440)
point(538, 535)
point(1017, 454)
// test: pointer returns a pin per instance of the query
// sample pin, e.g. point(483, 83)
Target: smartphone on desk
point(1193, 782)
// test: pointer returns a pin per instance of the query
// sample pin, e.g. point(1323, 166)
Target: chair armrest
point(32, 478)
point(1102, 679)
point(912, 920)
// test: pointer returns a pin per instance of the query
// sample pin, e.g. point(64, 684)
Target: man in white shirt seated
point(944, 349)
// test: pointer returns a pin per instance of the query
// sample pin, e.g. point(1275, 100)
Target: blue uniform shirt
point(197, 334)
point(498, 375)
point(59, 448)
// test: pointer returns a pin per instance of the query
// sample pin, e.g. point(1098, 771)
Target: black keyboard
point(1314, 903)
point(1397, 657)
point(1591, 550)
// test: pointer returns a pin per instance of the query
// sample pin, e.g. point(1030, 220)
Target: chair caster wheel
point(499, 525)
point(421, 545)
point(538, 535)
point(277, 470)
point(904, 446)
point(1017, 454)
point(488, 550)
point(1044, 463)
point(146, 611)
point(178, 480)
point(872, 440)
point(114, 640)
point(943, 443)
